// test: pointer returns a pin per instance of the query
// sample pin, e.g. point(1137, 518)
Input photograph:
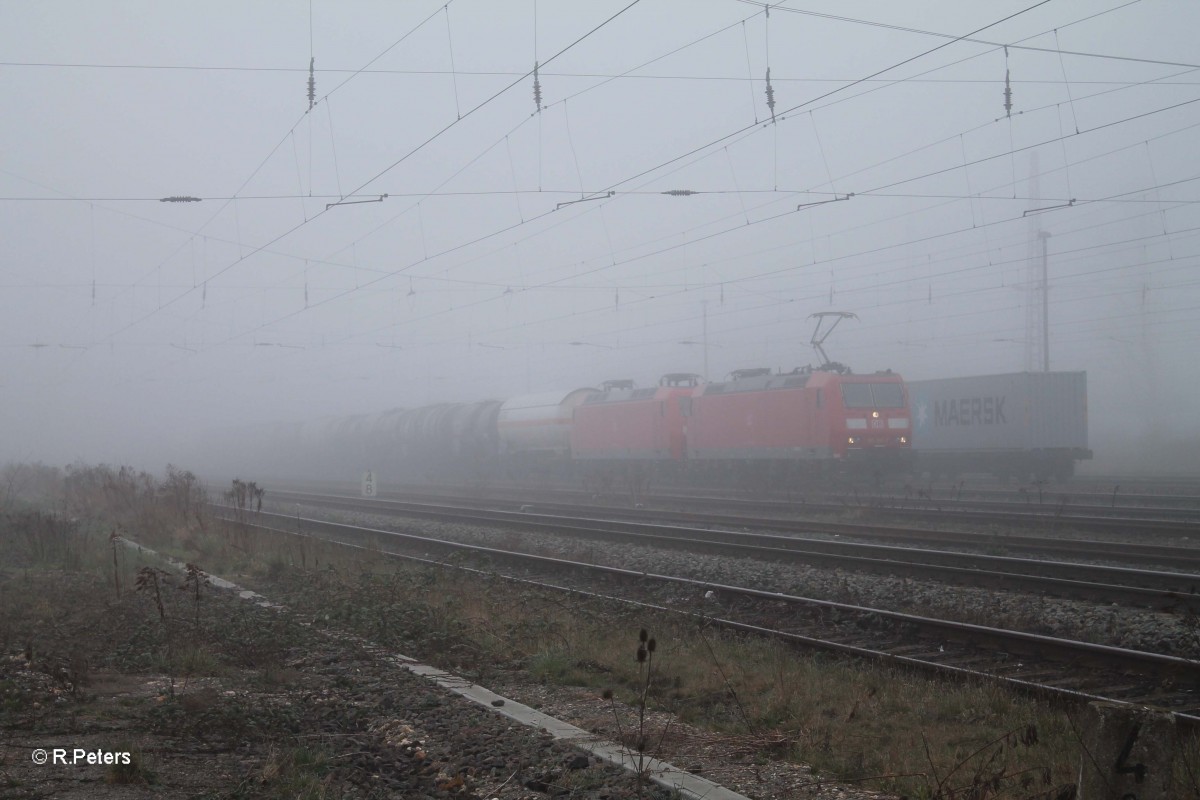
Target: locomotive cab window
point(857, 395)
point(888, 395)
point(873, 395)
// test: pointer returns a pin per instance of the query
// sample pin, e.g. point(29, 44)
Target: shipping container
point(1024, 424)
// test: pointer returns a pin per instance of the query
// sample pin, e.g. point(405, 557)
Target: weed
point(725, 680)
point(195, 660)
point(28, 483)
point(550, 665)
point(182, 491)
point(245, 495)
point(295, 772)
point(149, 582)
point(114, 541)
point(194, 580)
point(134, 772)
point(639, 733)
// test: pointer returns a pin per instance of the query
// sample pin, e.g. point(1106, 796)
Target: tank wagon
point(535, 429)
point(1023, 425)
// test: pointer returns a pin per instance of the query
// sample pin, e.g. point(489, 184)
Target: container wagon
point(1025, 425)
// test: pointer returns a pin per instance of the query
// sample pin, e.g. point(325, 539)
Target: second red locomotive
point(809, 419)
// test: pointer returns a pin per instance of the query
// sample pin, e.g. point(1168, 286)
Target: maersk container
point(1032, 423)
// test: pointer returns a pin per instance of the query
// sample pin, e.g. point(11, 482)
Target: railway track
point(1170, 523)
point(1180, 559)
point(1071, 498)
point(1041, 517)
point(1171, 591)
point(1032, 663)
point(1058, 507)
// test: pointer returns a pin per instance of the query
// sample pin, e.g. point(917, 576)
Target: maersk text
point(970, 411)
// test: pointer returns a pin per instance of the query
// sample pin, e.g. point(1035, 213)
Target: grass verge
point(854, 722)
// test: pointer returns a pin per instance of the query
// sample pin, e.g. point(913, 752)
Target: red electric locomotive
point(814, 416)
point(757, 426)
point(636, 425)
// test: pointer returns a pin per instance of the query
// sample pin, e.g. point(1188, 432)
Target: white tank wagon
point(537, 427)
point(1023, 425)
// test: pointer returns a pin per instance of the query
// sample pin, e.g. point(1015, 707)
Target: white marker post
point(368, 484)
point(1127, 753)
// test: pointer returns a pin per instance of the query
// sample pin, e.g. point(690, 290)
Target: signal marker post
point(1127, 753)
point(368, 484)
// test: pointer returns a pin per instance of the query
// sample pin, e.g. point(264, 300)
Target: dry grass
point(847, 720)
point(851, 721)
point(886, 729)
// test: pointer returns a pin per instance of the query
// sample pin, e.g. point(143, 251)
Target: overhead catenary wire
point(643, 344)
point(747, 130)
point(453, 71)
point(573, 314)
point(945, 195)
point(717, 142)
point(394, 164)
point(749, 76)
point(865, 192)
point(1158, 203)
point(484, 301)
point(403, 158)
point(755, 3)
point(261, 165)
point(741, 194)
point(970, 37)
point(60, 197)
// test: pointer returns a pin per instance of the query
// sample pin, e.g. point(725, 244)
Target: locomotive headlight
point(852, 440)
point(874, 415)
point(903, 440)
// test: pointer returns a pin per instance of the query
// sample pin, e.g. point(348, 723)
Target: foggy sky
point(499, 263)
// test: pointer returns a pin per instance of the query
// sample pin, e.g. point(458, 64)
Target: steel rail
point(1173, 521)
point(1048, 518)
point(1124, 552)
point(1094, 497)
point(1176, 592)
point(1057, 500)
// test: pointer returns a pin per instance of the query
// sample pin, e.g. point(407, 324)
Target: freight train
point(756, 425)
point(757, 428)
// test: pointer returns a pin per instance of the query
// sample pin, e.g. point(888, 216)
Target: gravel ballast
point(1137, 629)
